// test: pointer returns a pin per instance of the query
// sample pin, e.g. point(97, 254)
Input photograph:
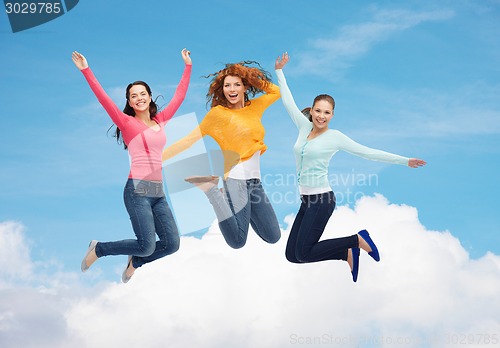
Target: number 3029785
point(33, 7)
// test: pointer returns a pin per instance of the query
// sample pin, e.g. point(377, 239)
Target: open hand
point(415, 163)
point(79, 60)
point(281, 61)
point(186, 56)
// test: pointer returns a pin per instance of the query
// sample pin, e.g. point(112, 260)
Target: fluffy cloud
point(32, 301)
point(353, 41)
point(14, 253)
point(425, 291)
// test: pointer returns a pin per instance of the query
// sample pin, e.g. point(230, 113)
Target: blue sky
point(420, 79)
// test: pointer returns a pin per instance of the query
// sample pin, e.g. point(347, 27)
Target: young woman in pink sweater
point(141, 127)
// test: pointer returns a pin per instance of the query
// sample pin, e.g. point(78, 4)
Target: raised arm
point(108, 104)
point(286, 96)
point(271, 94)
point(180, 93)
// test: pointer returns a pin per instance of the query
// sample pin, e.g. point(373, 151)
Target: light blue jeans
point(150, 216)
point(244, 203)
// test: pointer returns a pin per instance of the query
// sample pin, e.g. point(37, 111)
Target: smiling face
point(234, 91)
point(139, 98)
point(321, 114)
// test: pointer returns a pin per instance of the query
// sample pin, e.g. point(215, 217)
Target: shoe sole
point(355, 264)
point(91, 247)
point(125, 279)
point(200, 179)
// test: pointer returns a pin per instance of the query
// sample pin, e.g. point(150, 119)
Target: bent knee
point(146, 249)
point(291, 257)
point(274, 239)
point(236, 245)
point(170, 246)
point(173, 246)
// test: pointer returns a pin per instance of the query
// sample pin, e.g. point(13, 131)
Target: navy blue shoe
point(374, 253)
point(355, 264)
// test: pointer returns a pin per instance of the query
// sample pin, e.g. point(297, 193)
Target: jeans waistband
point(253, 181)
point(248, 181)
point(146, 187)
point(325, 197)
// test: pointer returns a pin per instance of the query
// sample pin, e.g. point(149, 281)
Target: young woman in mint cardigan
point(315, 146)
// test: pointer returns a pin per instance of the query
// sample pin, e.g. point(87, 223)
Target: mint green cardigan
point(313, 156)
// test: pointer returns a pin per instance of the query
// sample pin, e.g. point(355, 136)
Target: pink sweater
point(145, 145)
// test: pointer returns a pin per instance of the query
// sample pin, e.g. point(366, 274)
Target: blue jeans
point(150, 216)
point(303, 244)
point(244, 203)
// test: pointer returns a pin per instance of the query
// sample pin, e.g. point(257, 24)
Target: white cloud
point(14, 253)
point(32, 302)
point(207, 295)
point(352, 41)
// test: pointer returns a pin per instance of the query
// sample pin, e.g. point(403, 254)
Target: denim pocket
point(140, 189)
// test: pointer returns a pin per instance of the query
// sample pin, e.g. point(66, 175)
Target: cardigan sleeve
point(349, 145)
point(286, 97)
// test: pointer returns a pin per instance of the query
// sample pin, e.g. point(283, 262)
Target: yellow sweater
point(239, 132)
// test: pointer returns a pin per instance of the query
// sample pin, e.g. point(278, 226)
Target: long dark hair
point(128, 110)
point(326, 97)
point(254, 78)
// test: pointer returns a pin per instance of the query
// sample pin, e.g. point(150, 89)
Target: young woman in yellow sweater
point(234, 122)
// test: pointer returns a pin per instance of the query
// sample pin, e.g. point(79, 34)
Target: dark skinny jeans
point(303, 244)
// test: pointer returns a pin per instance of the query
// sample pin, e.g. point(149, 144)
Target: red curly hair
point(255, 79)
